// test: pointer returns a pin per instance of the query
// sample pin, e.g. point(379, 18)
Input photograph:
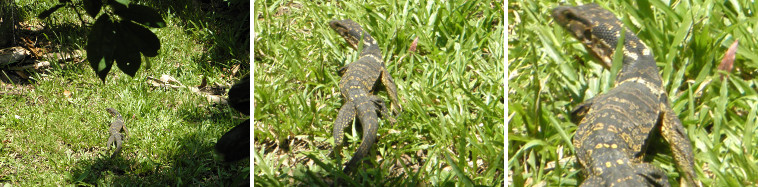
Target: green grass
point(550, 73)
point(451, 89)
point(51, 139)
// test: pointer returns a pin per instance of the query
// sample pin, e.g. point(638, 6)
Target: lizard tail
point(366, 112)
point(118, 149)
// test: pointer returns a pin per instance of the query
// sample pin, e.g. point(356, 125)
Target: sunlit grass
point(55, 133)
point(550, 73)
point(450, 131)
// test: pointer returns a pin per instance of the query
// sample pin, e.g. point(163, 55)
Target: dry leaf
point(235, 69)
point(413, 45)
point(169, 79)
point(727, 63)
point(67, 93)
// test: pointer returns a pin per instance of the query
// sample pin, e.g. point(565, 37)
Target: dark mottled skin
point(360, 80)
point(115, 131)
point(616, 128)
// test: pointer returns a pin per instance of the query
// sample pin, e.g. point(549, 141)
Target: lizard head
point(113, 111)
point(589, 25)
point(352, 32)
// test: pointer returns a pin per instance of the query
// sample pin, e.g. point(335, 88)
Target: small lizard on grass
point(359, 82)
point(115, 131)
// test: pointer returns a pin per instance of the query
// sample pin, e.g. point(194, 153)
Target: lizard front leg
point(673, 132)
point(391, 90)
point(126, 132)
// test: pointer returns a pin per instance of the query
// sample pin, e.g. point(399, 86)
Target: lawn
point(450, 87)
point(550, 73)
point(54, 130)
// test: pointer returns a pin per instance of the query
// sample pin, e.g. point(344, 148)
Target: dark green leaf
point(124, 2)
point(143, 39)
point(100, 46)
point(127, 60)
point(116, 6)
point(47, 12)
point(148, 64)
point(141, 14)
point(93, 7)
point(239, 95)
point(127, 52)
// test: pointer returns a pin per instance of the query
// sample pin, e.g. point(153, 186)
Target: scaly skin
point(360, 80)
point(115, 131)
point(616, 128)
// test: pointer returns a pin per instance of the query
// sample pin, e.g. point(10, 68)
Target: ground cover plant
point(53, 127)
point(550, 73)
point(450, 84)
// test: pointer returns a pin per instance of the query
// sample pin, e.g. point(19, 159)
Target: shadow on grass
point(16, 32)
point(314, 167)
point(193, 161)
point(329, 173)
point(223, 26)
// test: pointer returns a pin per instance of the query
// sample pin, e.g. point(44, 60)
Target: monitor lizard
point(616, 127)
point(115, 131)
point(360, 80)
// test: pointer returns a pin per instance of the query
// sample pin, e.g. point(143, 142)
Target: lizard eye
point(569, 15)
point(588, 34)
